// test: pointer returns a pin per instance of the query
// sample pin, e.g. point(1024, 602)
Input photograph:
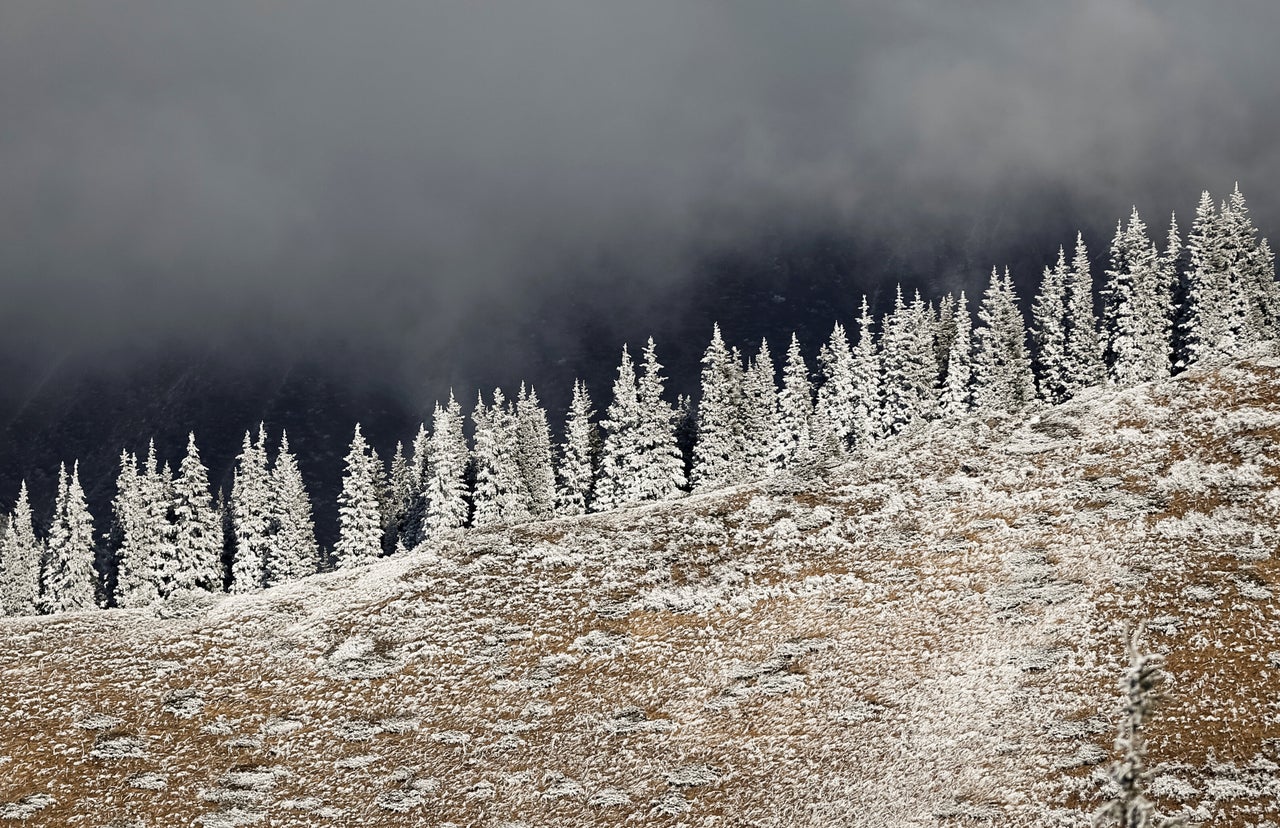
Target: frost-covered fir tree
point(446, 471)
point(1137, 308)
point(1001, 368)
point(533, 454)
point(399, 495)
point(196, 562)
point(717, 452)
point(293, 553)
point(795, 410)
point(659, 468)
point(759, 414)
point(908, 363)
point(836, 393)
point(621, 424)
point(68, 582)
point(251, 510)
point(20, 560)
point(1083, 350)
point(500, 497)
point(137, 543)
point(576, 470)
point(359, 512)
point(867, 391)
point(414, 528)
point(957, 387)
point(944, 336)
point(1048, 331)
point(923, 365)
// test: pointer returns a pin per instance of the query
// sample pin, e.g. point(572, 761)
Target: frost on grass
point(116, 745)
point(693, 776)
point(99, 721)
point(362, 657)
point(27, 806)
point(184, 704)
point(149, 781)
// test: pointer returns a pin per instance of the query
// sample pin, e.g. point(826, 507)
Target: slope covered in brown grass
point(928, 635)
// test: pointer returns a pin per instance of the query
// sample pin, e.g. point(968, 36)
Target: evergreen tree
point(759, 414)
point(659, 468)
point(1137, 308)
point(500, 496)
point(577, 455)
point(945, 336)
point(1083, 346)
point(957, 393)
point(197, 532)
point(21, 555)
point(717, 452)
point(399, 497)
point(1001, 368)
point(251, 510)
point(446, 471)
point(867, 390)
point(836, 393)
point(1049, 317)
point(137, 577)
point(909, 366)
point(923, 361)
point(413, 531)
point(795, 410)
point(359, 513)
point(686, 431)
point(293, 553)
point(533, 455)
point(68, 582)
point(616, 484)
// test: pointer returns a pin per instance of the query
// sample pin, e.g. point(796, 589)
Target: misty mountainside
point(929, 634)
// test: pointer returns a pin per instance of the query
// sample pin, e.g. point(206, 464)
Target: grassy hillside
point(928, 635)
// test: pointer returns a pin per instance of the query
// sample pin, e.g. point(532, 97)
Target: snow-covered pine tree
point(908, 364)
point(1083, 346)
point(196, 562)
point(1048, 331)
point(659, 471)
point(21, 554)
point(359, 511)
point(717, 453)
point(251, 509)
point(414, 528)
point(945, 336)
point(68, 582)
point(576, 471)
point(759, 414)
point(293, 553)
point(1253, 268)
point(923, 361)
point(1137, 308)
point(1208, 317)
point(795, 409)
point(1001, 368)
point(500, 497)
point(957, 388)
point(836, 393)
point(867, 389)
point(686, 431)
point(446, 471)
point(533, 454)
point(616, 483)
point(399, 494)
point(136, 576)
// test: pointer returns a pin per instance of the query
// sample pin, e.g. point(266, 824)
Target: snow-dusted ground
point(929, 635)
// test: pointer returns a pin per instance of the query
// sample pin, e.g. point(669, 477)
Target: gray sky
point(403, 173)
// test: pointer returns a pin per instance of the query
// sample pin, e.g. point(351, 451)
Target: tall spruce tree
point(446, 471)
point(398, 503)
point(759, 414)
point(795, 410)
point(1083, 349)
point(197, 531)
point(415, 520)
point(659, 471)
point(500, 497)
point(576, 470)
point(68, 582)
point(867, 388)
point(21, 554)
point(1048, 331)
point(1001, 368)
point(1137, 308)
point(359, 512)
point(251, 510)
point(957, 390)
point(137, 550)
point(616, 484)
point(836, 394)
point(533, 454)
point(717, 452)
point(294, 553)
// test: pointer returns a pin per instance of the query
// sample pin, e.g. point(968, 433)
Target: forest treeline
point(1164, 306)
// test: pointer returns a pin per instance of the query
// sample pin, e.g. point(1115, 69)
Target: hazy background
point(314, 211)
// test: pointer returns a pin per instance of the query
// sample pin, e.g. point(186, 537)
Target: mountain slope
point(929, 635)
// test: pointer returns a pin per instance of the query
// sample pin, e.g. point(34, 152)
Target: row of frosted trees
point(1162, 309)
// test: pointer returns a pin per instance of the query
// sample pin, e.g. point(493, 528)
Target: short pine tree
point(795, 410)
point(659, 468)
point(251, 509)
point(197, 531)
point(717, 453)
point(68, 582)
point(616, 483)
point(759, 414)
point(1082, 344)
point(957, 387)
point(359, 513)
point(20, 559)
point(867, 387)
point(293, 553)
point(576, 471)
point(445, 487)
point(836, 394)
point(1048, 331)
point(500, 495)
point(533, 454)
point(1002, 377)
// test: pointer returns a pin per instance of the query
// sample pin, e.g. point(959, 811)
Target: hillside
point(928, 635)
